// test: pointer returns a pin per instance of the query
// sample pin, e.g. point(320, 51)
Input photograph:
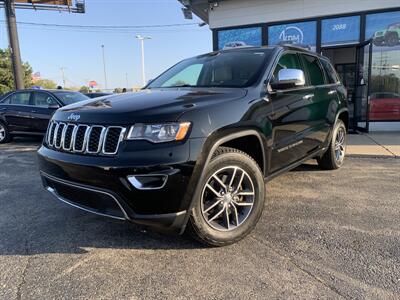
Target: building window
point(384, 29)
point(302, 33)
point(231, 38)
point(340, 31)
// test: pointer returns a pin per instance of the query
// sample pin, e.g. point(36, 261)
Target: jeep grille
point(85, 139)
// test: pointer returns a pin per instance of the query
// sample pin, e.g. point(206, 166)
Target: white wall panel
point(238, 12)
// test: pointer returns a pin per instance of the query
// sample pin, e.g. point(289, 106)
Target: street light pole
point(104, 67)
point(9, 6)
point(142, 39)
point(63, 77)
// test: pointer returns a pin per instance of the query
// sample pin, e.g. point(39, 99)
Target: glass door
point(362, 89)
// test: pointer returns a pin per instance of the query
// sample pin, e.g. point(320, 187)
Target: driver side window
point(287, 61)
point(43, 99)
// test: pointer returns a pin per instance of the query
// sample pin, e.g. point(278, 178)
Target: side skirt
point(294, 165)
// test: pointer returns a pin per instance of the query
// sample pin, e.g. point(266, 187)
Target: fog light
point(148, 182)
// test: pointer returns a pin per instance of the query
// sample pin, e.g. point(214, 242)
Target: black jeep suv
point(195, 147)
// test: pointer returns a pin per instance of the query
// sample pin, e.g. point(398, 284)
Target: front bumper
point(101, 185)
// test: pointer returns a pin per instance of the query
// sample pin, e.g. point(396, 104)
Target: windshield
point(224, 69)
point(70, 97)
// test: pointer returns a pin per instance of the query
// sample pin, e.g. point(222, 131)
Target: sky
point(79, 51)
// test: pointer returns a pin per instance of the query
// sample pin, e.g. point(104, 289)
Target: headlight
point(158, 133)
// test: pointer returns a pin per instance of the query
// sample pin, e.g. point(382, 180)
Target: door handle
point(34, 111)
point(308, 97)
point(266, 99)
point(332, 92)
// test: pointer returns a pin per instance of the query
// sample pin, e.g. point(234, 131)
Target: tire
point(392, 39)
point(333, 158)
point(5, 136)
point(206, 223)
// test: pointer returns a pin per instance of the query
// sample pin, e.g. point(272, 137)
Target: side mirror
point(289, 79)
point(53, 106)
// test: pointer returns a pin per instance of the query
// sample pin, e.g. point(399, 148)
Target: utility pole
point(126, 78)
point(142, 39)
point(63, 76)
point(9, 6)
point(104, 67)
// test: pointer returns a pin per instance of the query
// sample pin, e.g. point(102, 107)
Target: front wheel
point(333, 158)
point(231, 199)
point(4, 134)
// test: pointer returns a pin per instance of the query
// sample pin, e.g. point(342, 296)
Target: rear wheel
point(4, 134)
point(231, 199)
point(334, 157)
point(392, 39)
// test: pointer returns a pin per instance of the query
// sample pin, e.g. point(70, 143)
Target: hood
point(156, 105)
point(380, 32)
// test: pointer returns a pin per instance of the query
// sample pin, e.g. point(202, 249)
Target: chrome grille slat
point(78, 138)
point(84, 139)
point(50, 133)
point(121, 136)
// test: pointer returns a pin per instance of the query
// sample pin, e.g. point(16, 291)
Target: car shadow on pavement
point(78, 238)
point(307, 167)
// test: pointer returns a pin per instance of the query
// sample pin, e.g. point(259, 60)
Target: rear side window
point(20, 98)
point(313, 68)
point(330, 72)
point(287, 61)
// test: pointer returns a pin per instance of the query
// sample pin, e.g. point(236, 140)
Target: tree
point(45, 83)
point(6, 72)
point(84, 89)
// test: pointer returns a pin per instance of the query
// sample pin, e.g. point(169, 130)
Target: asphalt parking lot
point(322, 235)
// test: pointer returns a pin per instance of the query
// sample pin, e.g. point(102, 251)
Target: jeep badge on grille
point(74, 117)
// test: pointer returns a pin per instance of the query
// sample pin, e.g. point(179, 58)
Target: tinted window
point(329, 71)
point(20, 98)
point(5, 100)
point(187, 76)
point(70, 97)
point(313, 68)
point(224, 69)
point(287, 61)
point(43, 99)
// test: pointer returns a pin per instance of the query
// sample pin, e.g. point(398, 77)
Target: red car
point(384, 107)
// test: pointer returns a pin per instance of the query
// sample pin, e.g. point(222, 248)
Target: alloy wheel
point(2, 132)
point(340, 145)
point(227, 198)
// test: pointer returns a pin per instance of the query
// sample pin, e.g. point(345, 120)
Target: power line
point(107, 26)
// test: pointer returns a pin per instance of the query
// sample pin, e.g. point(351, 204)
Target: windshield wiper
point(181, 85)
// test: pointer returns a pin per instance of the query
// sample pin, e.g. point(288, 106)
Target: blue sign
point(340, 31)
point(301, 33)
point(240, 37)
point(384, 29)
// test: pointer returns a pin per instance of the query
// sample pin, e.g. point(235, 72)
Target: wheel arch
point(343, 114)
point(217, 139)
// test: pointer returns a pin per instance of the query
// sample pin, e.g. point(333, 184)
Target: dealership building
point(361, 38)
